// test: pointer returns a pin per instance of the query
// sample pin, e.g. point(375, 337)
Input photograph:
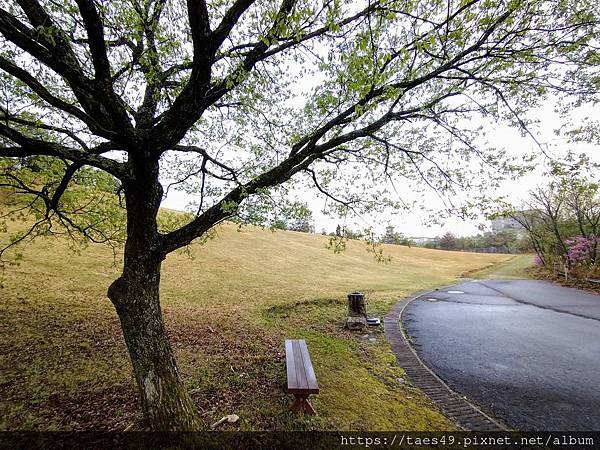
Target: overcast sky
point(416, 223)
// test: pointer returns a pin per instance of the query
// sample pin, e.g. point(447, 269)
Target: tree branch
point(31, 147)
point(196, 97)
point(57, 54)
point(95, 33)
point(230, 19)
point(199, 28)
point(44, 94)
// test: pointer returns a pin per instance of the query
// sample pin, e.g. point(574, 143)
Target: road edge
point(454, 406)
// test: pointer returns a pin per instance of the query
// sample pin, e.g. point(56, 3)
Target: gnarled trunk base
point(166, 404)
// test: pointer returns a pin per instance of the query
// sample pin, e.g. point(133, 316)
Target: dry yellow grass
point(228, 308)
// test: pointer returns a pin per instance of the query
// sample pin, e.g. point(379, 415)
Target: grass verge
point(513, 267)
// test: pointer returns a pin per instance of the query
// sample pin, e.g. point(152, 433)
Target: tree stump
point(357, 311)
point(356, 305)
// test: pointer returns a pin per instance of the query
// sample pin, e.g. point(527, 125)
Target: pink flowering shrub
point(582, 250)
point(582, 256)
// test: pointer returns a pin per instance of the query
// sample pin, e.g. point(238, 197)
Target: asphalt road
point(526, 351)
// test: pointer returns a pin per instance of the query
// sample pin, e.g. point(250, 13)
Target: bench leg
point(302, 404)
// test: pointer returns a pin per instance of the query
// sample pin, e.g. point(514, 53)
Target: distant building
point(422, 240)
point(506, 223)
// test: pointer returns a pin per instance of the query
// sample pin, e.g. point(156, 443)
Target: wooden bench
point(301, 379)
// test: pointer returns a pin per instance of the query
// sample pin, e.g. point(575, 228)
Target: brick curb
point(466, 415)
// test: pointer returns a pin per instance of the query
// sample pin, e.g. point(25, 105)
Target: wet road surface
point(527, 351)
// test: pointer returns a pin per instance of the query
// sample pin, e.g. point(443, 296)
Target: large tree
point(230, 99)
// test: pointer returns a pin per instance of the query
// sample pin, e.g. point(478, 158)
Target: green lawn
point(228, 306)
point(513, 268)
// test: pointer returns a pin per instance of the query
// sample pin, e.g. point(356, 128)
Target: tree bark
point(135, 294)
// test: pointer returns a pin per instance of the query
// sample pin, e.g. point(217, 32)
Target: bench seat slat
point(289, 363)
point(311, 378)
point(301, 382)
point(300, 373)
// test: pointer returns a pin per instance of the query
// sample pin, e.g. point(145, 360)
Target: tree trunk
point(165, 402)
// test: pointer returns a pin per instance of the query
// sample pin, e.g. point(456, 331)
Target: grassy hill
point(228, 306)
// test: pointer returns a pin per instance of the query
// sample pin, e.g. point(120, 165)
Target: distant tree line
point(302, 224)
point(391, 236)
point(292, 216)
point(504, 241)
point(346, 232)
